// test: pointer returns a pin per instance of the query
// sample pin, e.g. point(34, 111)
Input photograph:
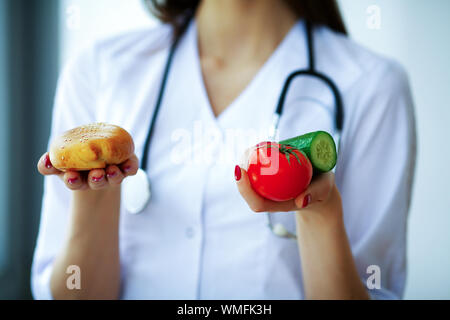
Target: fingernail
point(306, 201)
point(111, 175)
point(48, 163)
point(237, 173)
point(97, 179)
point(72, 181)
point(126, 169)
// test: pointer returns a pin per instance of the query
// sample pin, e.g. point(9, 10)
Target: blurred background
point(37, 37)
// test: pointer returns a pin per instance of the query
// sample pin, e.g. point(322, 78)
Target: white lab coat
point(197, 239)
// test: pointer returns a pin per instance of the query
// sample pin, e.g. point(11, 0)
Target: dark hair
point(317, 12)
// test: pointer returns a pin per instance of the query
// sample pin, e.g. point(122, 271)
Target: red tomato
point(278, 172)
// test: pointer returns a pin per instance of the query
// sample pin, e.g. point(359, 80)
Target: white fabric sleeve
point(74, 105)
point(374, 175)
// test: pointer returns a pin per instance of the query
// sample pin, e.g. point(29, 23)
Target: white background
point(416, 33)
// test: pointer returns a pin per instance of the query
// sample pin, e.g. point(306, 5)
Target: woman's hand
point(328, 267)
point(321, 196)
point(94, 226)
point(95, 179)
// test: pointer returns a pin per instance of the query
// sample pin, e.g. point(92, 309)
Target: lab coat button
point(190, 232)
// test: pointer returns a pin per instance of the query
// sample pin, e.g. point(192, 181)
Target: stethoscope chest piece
point(136, 192)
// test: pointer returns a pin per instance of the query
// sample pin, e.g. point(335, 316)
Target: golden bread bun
point(92, 146)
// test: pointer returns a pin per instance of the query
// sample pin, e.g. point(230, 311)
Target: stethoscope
point(136, 189)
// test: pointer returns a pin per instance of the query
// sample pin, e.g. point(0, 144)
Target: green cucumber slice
point(319, 147)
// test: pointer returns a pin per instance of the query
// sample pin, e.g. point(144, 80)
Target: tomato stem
point(287, 150)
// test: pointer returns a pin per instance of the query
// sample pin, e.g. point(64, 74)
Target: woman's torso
point(197, 239)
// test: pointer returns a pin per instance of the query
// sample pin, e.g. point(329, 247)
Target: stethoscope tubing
point(310, 71)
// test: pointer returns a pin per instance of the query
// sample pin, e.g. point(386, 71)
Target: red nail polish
point(111, 175)
point(72, 181)
point(97, 179)
point(127, 168)
point(48, 163)
point(306, 201)
point(237, 173)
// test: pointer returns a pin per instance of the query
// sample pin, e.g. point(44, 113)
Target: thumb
point(318, 191)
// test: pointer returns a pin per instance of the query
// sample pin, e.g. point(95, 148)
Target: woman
point(198, 238)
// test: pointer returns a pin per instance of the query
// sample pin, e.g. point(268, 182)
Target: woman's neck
point(242, 28)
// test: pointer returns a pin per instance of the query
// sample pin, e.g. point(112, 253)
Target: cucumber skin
point(303, 143)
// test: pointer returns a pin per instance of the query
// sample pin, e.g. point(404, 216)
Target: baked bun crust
point(92, 146)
